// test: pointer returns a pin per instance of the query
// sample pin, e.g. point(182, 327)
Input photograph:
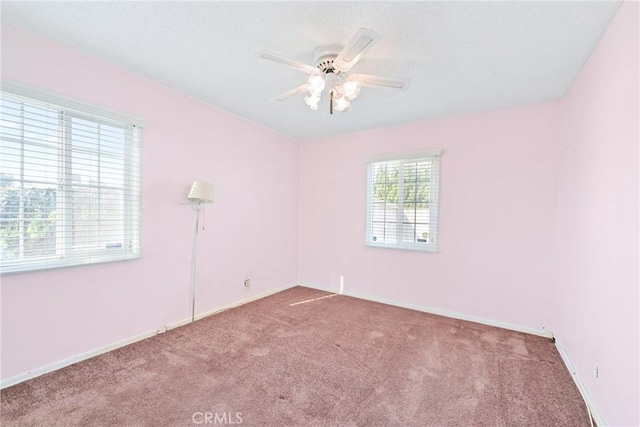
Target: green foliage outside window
point(416, 184)
point(38, 222)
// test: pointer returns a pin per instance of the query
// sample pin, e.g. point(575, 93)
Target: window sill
point(45, 265)
point(404, 247)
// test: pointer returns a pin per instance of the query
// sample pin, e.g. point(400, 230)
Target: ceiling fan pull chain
point(331, 102)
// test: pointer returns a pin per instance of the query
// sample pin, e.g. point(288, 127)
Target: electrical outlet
point(247, 283)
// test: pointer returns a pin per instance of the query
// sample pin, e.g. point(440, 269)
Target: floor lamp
point(201, 192)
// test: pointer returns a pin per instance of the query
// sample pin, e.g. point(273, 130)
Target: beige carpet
point(335, 361)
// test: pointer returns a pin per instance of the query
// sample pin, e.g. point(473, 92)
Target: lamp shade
point(201, 192)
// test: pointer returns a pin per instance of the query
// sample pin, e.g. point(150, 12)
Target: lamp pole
point(194, 256)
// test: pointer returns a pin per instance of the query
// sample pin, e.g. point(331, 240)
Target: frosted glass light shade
point(341, 103)
point(312, 101)
point(201, 192)
point(316, 85)
point(351, 89)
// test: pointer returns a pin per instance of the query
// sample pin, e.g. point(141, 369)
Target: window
point(402, 202)
point(69, 186)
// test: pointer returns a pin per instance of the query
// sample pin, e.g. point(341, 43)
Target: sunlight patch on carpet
point(312, 300)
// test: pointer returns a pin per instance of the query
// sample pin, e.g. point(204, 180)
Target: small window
point(402, 202)
point(69, 186)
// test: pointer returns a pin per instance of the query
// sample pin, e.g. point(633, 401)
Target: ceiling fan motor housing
point(324, 56)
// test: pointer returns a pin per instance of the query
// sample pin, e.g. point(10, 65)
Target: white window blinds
point(69, 186)
point(402, 202)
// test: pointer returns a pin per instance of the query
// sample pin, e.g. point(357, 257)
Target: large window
point(402, 201)
point(69, 186)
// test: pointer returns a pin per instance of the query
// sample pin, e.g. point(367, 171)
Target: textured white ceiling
point(460, 56)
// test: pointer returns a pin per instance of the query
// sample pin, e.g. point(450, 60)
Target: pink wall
point(497, 227)
point(538, 219)
point(251, 228)
point(598, 222)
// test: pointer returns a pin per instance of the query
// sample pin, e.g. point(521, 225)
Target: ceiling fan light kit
point(340, 92)
point(330, 73)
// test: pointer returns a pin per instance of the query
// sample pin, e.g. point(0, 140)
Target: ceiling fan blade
point(379, 81)
point(353, 51)
point(288, 62)
point(290, 93)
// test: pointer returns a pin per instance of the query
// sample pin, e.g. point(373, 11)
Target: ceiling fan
point(332, 64)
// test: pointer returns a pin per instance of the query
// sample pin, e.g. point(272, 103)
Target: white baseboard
point(591, 407)
point(89, 354)
point(490, 322)
point(71, 360)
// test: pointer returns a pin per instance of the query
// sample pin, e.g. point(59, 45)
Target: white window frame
point(432, 245)
point(66, 256)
